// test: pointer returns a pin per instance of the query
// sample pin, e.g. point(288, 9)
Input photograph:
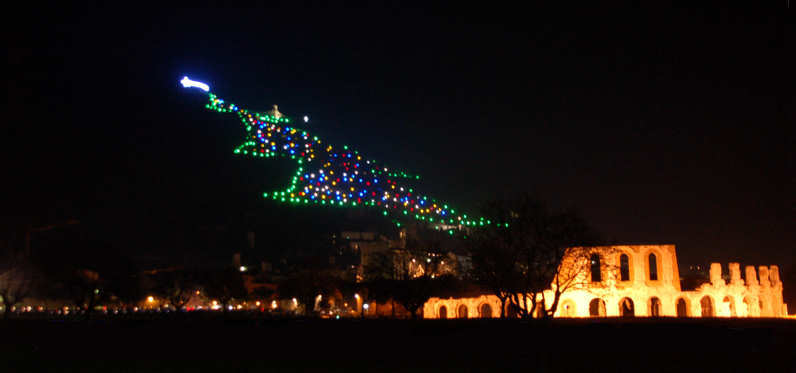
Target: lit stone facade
point(644, 280)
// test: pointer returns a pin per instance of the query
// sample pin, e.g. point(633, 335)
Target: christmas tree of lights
point(335, 176)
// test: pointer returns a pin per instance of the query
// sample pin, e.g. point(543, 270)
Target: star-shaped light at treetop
point(336, 176)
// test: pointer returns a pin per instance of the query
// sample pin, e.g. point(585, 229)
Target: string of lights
point(336, 176)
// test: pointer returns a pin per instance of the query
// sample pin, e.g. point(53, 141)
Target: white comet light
point(188, 83)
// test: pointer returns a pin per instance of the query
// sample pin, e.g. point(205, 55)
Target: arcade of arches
point(644, 282)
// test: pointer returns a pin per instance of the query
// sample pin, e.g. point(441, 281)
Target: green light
point(261, 143)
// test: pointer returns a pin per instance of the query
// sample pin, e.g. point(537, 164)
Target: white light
point(187, 83)
point(306, 119)
point(365, 306)
point(243, 268)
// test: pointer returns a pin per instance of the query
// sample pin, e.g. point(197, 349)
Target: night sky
point(660, 126)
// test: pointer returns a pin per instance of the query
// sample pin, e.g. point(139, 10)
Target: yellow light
point(257, 303)
point(150, 299)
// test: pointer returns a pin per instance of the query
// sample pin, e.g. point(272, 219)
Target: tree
point(16, 280)
point(177, 286)
point(306, 285)
point(412, 293)
point(494, 266)
point(86, 289)
point(224, 286)
point(412, 283)
point(377, 276)
point(531, 249)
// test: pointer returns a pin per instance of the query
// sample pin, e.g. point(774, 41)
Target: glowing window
point(624, 268)
point(596, 276)
point(653, 262)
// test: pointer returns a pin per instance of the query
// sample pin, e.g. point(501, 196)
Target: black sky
point(660, 125)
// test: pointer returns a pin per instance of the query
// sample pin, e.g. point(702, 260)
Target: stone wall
point(652, 288)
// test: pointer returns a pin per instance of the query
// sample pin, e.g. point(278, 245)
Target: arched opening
point(750, 311)
point(443, 312)
point(568, 308)
point(707, 306)
point(596, 275)
point(597, 308)
point(624, 268)
point(537, 313)
point(462, 312)
point(653, 262)
point(655, 307)
point(486, 310)
point(729, 302)
point(626, 308)
point(682, 308)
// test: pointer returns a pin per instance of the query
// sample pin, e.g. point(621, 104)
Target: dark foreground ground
point(227, 345)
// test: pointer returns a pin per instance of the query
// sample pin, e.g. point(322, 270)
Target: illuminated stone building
point(644, 280)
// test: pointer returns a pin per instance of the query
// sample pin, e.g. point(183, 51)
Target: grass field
point(218, 344)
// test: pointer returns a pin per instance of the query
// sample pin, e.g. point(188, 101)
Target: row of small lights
point(261, 128)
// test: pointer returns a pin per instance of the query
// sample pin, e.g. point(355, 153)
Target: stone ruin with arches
point(643, 280)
